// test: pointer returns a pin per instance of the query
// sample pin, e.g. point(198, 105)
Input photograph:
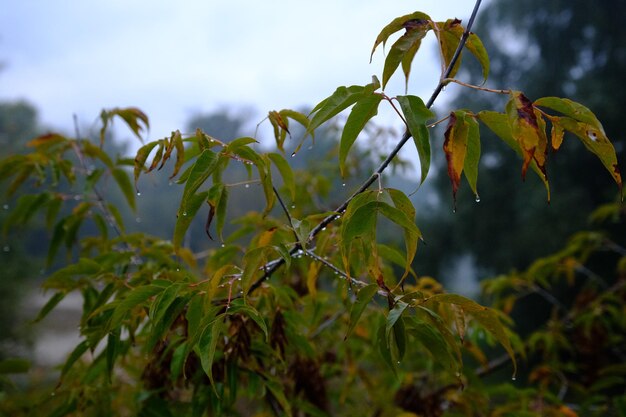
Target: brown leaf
point(528, 129)
point(455, 148)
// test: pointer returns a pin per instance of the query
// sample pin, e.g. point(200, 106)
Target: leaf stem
point(476, 87)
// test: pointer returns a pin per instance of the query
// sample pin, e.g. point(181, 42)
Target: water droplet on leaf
point(184, 213)
point(477, 198)
point(513, 378)
point(343, 184)
point(293, 206)
point(223, 245)
point(247, 185)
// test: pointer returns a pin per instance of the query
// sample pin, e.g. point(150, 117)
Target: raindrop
point(170, 183)
point(52, 394)
point(138, 219)
point(293, 206)
point(443, 88)
point(78, 197)
point(293, 154)
point(477, 198)
point(513, 378)
point(398, 362)
point(247, 185)
point(592, 135)
point(6, 207)
point(138, 194)
point(343, 184)
point(323, 228)
point(184, 213)
point(177, 269)
point(6, 248)
point(310, 147)
point(223, 245)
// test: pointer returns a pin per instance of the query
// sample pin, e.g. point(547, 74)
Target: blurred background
point(222, 66)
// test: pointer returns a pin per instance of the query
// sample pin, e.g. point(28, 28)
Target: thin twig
point(476, 87)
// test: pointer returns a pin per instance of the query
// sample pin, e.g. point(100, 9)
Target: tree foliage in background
point(298, 311)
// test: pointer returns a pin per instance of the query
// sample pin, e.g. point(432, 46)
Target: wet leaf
point(455, 148)
point(285, 172)
point(499, 124)
point(397, 24)
point(487, 317)
point(528, 130)
point(584, 124)
point(340, 100)
point(361, 113)
point(202, 168)
point(363, 298)
point(142, 157)
point(416, 115)
point(405, 47)
point(449, 34)
point(186, 215)
point(123, 181)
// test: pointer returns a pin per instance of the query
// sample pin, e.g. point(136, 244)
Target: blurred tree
point(561, 48)
point(18, 124)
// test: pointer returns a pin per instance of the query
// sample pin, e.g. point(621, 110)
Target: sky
point(176, 59)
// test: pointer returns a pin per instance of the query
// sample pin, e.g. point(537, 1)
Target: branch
point(271, 267)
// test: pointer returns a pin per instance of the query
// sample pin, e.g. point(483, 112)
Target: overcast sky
point(174, 59)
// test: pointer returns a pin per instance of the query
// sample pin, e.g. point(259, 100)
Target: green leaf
point(498, 123)
point(363, 298)
point(571, 109)
point(395, 323)
point(476, 47)
point(64, 277)
point(206, 348)
point(186, 216)
point(432, 340)
point(472, 156)
point(123, 181)
point(361, 113)
point(239, 306)
point(340, 100)
point(397, 24)
point(133, 299)
point(200, 171)
point(406, 45)
point(449, 34)
point(285, 171)
point(360, 223)
point(596, 141)
point(393, 316)
point(416, 115)
point(279, 393)
point(163, 301)
point(49, 306)
point(382, 342)
point(78, 351)
point(487, 317)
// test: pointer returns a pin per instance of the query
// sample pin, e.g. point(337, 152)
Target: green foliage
point(268, 320)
